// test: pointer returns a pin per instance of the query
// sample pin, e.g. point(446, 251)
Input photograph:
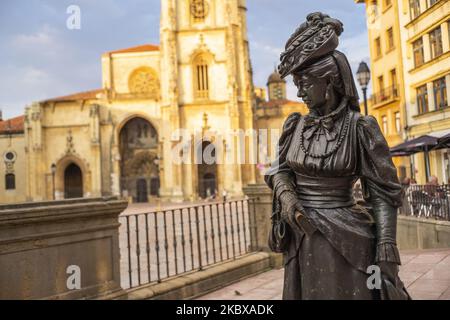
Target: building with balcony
point(425, 40)
point(386, 60)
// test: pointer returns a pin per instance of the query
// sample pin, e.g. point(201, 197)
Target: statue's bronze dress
point(332, 263)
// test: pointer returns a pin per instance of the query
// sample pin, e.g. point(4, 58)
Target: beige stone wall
point(118, 67)
point(14, 143)
point(42, 243)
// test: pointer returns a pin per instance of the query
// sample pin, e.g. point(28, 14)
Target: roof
point(14, 125)
point(275, 77)
point(85, 95)
point(141, 48)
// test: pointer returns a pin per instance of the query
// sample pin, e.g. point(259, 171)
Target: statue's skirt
point(332, 262)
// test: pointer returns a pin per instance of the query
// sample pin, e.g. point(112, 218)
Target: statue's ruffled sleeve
point(279, 177)
point(381, 188)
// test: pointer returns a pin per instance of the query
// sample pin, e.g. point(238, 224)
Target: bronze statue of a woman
point(329, 240)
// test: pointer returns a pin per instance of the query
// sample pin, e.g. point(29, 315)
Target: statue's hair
point(336, 68)
point(326, 68)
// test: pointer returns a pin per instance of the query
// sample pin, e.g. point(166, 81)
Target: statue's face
point(311, 90)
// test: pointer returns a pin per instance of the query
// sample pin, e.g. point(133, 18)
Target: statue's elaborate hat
point(315, 38)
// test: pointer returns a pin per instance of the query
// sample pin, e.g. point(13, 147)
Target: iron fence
point(164, 243)
point(422, 201)
point(427, 201)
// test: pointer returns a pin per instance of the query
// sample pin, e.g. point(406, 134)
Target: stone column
point(260, 207)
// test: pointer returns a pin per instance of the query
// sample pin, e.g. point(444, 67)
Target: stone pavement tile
point(417, 267)
point(446, 261)
point(445, 295)
point(408, 277)
point(259, 294)
point(438, 272)
point(430, 286)
point(420, 295)
point(274, 284)
point(273, 274)
point(406, 258)
point(248, 284)
point(430, 257)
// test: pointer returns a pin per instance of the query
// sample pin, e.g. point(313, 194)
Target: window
point(10, 181)
point(377, 47)
point(385, 124)
point(440, 93)
point(390, 39)
point(432, 2)
point(380, 83)
point(201, 82)
point(418, 52)
point(398, 123)
point(414, 8)
point(422, 99)
point(393, 75)
point(144, 82)
point(436, 42)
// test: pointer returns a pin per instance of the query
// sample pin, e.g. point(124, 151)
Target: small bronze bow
point(318, 126)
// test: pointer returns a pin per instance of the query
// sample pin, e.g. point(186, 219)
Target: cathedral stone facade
point(120, 139)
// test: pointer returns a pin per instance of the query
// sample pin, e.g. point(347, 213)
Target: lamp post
point(53, 168)
point(363, 76)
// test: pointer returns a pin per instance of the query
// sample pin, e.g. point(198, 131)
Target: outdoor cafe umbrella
point(421, 144)
point(444, 142)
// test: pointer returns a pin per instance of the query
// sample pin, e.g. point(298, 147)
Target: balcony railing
point(384, 95)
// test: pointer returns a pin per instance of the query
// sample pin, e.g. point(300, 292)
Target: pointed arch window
point(201, 78)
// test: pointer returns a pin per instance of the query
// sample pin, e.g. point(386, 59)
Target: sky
point(41, 58)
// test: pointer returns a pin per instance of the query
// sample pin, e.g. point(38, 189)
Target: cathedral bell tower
point(205, 67)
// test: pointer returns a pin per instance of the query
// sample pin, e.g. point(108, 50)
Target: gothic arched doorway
point(139, 171)
point(207, 170)
point(73, 182)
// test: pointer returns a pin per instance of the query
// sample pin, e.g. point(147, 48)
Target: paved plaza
point(426, 274)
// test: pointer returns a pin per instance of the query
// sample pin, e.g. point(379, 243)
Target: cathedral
point(120, 139)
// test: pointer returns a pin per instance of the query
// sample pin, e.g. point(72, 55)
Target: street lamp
point(53, 168)
point(363, 76)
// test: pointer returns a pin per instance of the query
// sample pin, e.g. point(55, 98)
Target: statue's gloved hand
point(290, 204)
point(390, 270)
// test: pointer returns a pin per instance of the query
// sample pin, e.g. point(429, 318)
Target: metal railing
point(385, 94)
point(427, 201)
point(165, 243)
point(421, 201)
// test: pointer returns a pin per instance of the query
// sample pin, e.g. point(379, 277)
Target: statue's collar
point(318, 125)
point(334, 115)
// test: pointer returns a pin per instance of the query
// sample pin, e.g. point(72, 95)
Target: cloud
point(34, 76)
point(44, 37)
point(266, 48)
